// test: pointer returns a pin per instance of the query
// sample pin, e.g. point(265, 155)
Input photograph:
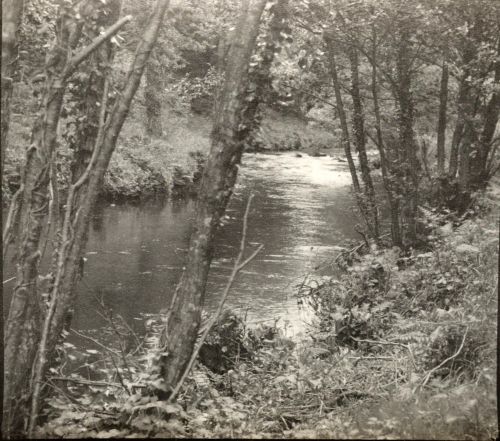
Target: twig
point(132, 332)
point(96, 342)
point(236, 269)
point(119, 375)
point(108, 316)
point(379, 342)
point(428, 376)
point(370, 358)
point(391, 343)
point(87, 382)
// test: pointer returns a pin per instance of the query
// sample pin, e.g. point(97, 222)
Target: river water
point(302, 209)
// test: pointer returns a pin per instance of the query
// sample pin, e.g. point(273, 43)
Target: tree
point(34, 326)
point(441, 127)
point(260, 74)
point(183, 318)
point(152, 94)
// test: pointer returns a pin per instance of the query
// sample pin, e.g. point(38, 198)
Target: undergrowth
point(405, 348)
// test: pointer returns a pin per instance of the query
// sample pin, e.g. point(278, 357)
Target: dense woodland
point(123, 100)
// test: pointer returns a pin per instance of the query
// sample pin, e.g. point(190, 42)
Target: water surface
point(301, 210)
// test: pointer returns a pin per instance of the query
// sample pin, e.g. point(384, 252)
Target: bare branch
point(440, 365)
point(85, 52)
point(236, 269)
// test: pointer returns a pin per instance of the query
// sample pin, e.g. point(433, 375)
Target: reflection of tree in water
point(179, 205)
point(97, 218)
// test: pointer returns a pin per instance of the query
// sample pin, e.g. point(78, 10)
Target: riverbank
point(171, 165)
point(143, 166)
point(405, 347)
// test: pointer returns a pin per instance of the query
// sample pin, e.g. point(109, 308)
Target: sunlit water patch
point(302, 210)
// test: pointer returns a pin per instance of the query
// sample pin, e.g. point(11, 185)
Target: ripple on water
point(302, 209)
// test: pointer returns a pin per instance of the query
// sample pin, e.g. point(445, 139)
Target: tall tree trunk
point(464, 159)
point(386, 166)
point(12, 12)
point(260, 75)
point(344, 127)
point(91, 94)
point(183, 319)
point(85, 192)
point(22, 331)
point(465, 106)
point(27, 308)
point(152, 98)
point(409, 165)
point(358, 125)
point(441, 127)
point(463, 98)
point(479, 161)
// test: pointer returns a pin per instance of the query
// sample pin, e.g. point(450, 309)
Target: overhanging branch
point(86, 51)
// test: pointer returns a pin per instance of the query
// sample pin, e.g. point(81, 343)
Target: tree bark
point(479, 161)
point(408, 165)
point(464, 102)
point(152, 97)
point(358, 125)
point(441, 127)
point(89, 184)
point(12, 11)
point(260, 75)
point(100, 65)
point(22, 330)
point(27, 308)
point(385, 164)
point(345, 129)
point(183, 318)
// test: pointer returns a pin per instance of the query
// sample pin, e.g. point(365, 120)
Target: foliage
point(397, 383)
point(143, 166)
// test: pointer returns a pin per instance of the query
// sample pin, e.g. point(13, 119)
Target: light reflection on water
point(302, 209)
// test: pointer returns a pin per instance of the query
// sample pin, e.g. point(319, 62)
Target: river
point(302, 209)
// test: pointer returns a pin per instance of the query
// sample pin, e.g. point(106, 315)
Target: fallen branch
point(440, 365)
point(87, 382)
point(389, 343)
point(238, 266)
point(379, 342)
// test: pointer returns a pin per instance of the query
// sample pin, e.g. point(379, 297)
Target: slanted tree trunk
point(358, 126)
point(12, 11)
point(27, 308)
point(183, 318)
point(152, 98)
point(81, 200)
point(441, 127)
